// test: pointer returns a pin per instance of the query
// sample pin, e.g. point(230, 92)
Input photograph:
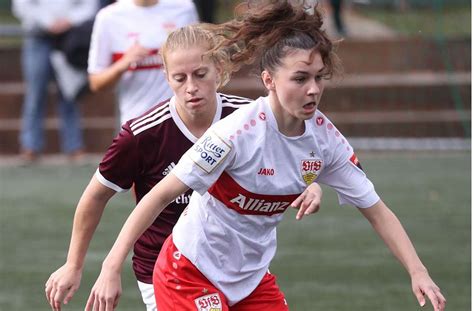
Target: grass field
point(329, 261)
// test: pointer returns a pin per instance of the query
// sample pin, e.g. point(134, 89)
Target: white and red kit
point(143, 153)
point(116, 28)
point(245, 174)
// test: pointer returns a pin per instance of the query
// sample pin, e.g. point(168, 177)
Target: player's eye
point(179, 78)
point(299, 80)
point(201, 74)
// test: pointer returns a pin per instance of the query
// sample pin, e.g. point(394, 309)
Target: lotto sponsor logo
point(259, 205)
point(209, 151)
point(210, 302)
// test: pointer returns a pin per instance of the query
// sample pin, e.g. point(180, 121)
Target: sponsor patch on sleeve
point(210, 302)
point(209, 151)
point(355, 161)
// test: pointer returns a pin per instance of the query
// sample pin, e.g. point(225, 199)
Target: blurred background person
point(124, 52)
point(336, 8)
point(43, 23)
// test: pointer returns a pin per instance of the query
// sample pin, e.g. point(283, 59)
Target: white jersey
point(117, 27)
point(36, 15)
point(246, 174)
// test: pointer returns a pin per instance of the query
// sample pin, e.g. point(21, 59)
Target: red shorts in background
point(179, 285)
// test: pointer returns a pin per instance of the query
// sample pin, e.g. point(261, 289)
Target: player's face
point(193, 79)
point(296, 85)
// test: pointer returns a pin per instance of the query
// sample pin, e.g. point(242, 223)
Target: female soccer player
point(246, 170)
point(125, 46)
point(146, 150)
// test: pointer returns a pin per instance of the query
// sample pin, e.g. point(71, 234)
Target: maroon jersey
point(142, 154)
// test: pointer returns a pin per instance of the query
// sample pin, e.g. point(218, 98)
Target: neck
point(197, 123)
point(145, 2)
point(288, 124)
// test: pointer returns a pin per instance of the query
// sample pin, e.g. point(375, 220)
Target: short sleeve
point(100, 52)
point(119, 167)
point(344, 174)
point(204, 163)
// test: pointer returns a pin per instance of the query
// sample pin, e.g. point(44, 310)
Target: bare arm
point(389, 228)
point(63, 283)
point(107, 289)
point(110, 75)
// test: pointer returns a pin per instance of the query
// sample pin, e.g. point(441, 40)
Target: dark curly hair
point(266, 31)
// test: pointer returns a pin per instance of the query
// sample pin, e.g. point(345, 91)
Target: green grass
point(329, 261)
point(449, 22)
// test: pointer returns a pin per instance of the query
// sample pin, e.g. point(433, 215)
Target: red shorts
point(179, 285)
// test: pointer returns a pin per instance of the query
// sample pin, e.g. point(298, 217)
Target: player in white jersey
point(143, 153)
point(125, 44)
point(248, 168)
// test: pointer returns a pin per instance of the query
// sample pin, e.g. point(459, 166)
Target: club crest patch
point(209, 151)
point(210, 302)
point(310, 170)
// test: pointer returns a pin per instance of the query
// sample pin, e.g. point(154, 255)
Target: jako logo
point(266, 171)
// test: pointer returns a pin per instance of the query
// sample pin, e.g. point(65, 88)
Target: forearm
point(86, 219)
point(150, 206)
point(139, 220)
point(109, 76)
point(389, 228)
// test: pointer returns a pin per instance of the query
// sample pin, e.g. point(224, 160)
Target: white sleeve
point(100, 51)
point(344, 174)
point(204, 163)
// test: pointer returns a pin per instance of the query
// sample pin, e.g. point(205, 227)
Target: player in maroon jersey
point(145, 151)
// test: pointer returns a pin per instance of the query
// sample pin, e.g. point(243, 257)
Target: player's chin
point(306, 115)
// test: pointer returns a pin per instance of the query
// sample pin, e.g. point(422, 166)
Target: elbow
point(94, 85)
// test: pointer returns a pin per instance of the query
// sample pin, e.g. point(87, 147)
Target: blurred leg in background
point(70, 131)
point(36, 73)
point(336, 6)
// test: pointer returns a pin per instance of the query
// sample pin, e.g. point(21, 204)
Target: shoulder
point(151, 120)
point(178, 5)
point(231, 102)
point(111, 11)
point(246, 119)
point(328, 136)
point(184, 4)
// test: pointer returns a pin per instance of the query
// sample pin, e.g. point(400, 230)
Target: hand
point(60, 26)
point(106, 292)
point(133, 55)
point(422, 286)
point(61, 285)
point(309, 201)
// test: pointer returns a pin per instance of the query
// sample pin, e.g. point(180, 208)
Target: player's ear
point(166, 73)
point(268, 81)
